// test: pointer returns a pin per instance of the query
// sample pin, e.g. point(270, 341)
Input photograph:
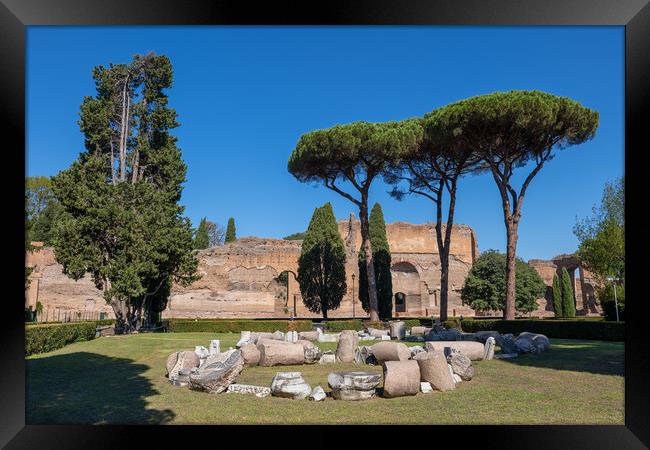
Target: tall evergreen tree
point(557, 297)
point(381, 261)
point(321, 266)
point(230, 231)
point(120, 219)
point(201, 236)
point(568, 300)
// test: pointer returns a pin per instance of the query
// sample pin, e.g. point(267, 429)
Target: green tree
point(321, 266)
point(511, 130)
point(231, 235)
point(568, 299)
point(120, 219)
point(485, 285)
point(201, 236)
point(41, 208)
point(382, 262)
point(430, 169)
point(295, 236)
point(356, 153)
point(602, 236)
point(557, 297)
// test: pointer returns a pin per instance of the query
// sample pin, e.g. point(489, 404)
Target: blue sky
point(244, 95)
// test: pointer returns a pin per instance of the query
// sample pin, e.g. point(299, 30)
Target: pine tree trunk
point(370, 266)
point(444, 285)
point(511, 253)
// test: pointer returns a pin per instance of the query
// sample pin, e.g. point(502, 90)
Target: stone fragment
point(471, 337)
point(457, 378)
point(328, 357)
point(363, 355)
point(312, 354)
point(401, 378)
point(414, 339)
point(218, 372)
point(488, 352)
point(317, 394)
point(398, 330)
point(416, 349)
point(377, 333)
point(246, 337)
point(425, 387)
point(483, 335)
point(259, 391)
point(348, 341)
point(434, 369)
point(354, 385)
point(278, 335)
point(274, 353)
point(506, 343)
point(326, 337)
point(290, 385)
point(390, 351)
point(385, 337)
point(181, 360)
point(251, 354)
point(418, 330)
point(201, 352)
point(291, 336)
point(215, 346)
point(309, 335)
point(531, 343)
point(473, 350)
point(461, 365)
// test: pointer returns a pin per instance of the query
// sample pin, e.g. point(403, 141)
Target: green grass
point(121, 380)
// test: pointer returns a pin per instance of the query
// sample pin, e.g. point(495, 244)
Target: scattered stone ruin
point(256, 277)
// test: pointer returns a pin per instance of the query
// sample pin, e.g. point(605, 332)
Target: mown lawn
point(121, 380)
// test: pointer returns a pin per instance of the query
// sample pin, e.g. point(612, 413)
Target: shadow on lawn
point(88, 388)
point(605, 358)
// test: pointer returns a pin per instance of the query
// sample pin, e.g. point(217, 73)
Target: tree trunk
point(511, 253)
point(370, 266)
point(127, 318)
point(444, 253)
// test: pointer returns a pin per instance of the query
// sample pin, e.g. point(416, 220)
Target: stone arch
point(407, 283)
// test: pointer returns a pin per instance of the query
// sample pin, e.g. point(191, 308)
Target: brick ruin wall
point(241, 279)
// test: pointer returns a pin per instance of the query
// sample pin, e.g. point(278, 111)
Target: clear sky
point(244, 95)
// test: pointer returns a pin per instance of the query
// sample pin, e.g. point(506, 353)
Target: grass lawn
point(121, 380)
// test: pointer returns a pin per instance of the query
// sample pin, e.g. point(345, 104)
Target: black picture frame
point(15, 15)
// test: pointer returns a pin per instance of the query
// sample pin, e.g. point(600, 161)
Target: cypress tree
point(557, 297)
point(568, 302)
point(321, 266)
point(201, 236)
point(230, 231)
point(382, 261)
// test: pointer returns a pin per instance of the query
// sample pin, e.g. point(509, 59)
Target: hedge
point(235, 325)
point(563, 329)
point(45, 338)
point(340, 325)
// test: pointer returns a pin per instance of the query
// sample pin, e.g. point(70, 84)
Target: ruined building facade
point(256, 278)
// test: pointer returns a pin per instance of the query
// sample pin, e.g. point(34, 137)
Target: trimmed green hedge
point(340, 325)
point(563, 329)
point(235, 325)
point(45, 338)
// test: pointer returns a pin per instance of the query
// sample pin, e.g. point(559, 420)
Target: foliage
point(608, 303)
point(485, 285)
point(509, 130)
point(564, 329)
point(321, 265)
point(336, 326)
point(216, 233)
point(45, 338)
point(382, 263)
point(39, 307)
point(231, 234)
point(356, 153)
point(295, 236)
point(557, 297)
point(41, 209)
point(235, 325)
point(120, 219)
point(201, 237)
point(568, 298)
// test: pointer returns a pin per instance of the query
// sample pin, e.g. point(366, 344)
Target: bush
point(377, 325)
point(340, 325)
point(236, 325)
point(45, 338)
point(606, 296)
point(563, 329)
point(454, 322)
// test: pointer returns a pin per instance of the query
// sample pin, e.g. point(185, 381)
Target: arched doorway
point(406, 286)
point(285, 299)
point(400, 302)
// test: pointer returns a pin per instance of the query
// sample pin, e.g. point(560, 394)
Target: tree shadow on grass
point(598, 357)
point(88, 388)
